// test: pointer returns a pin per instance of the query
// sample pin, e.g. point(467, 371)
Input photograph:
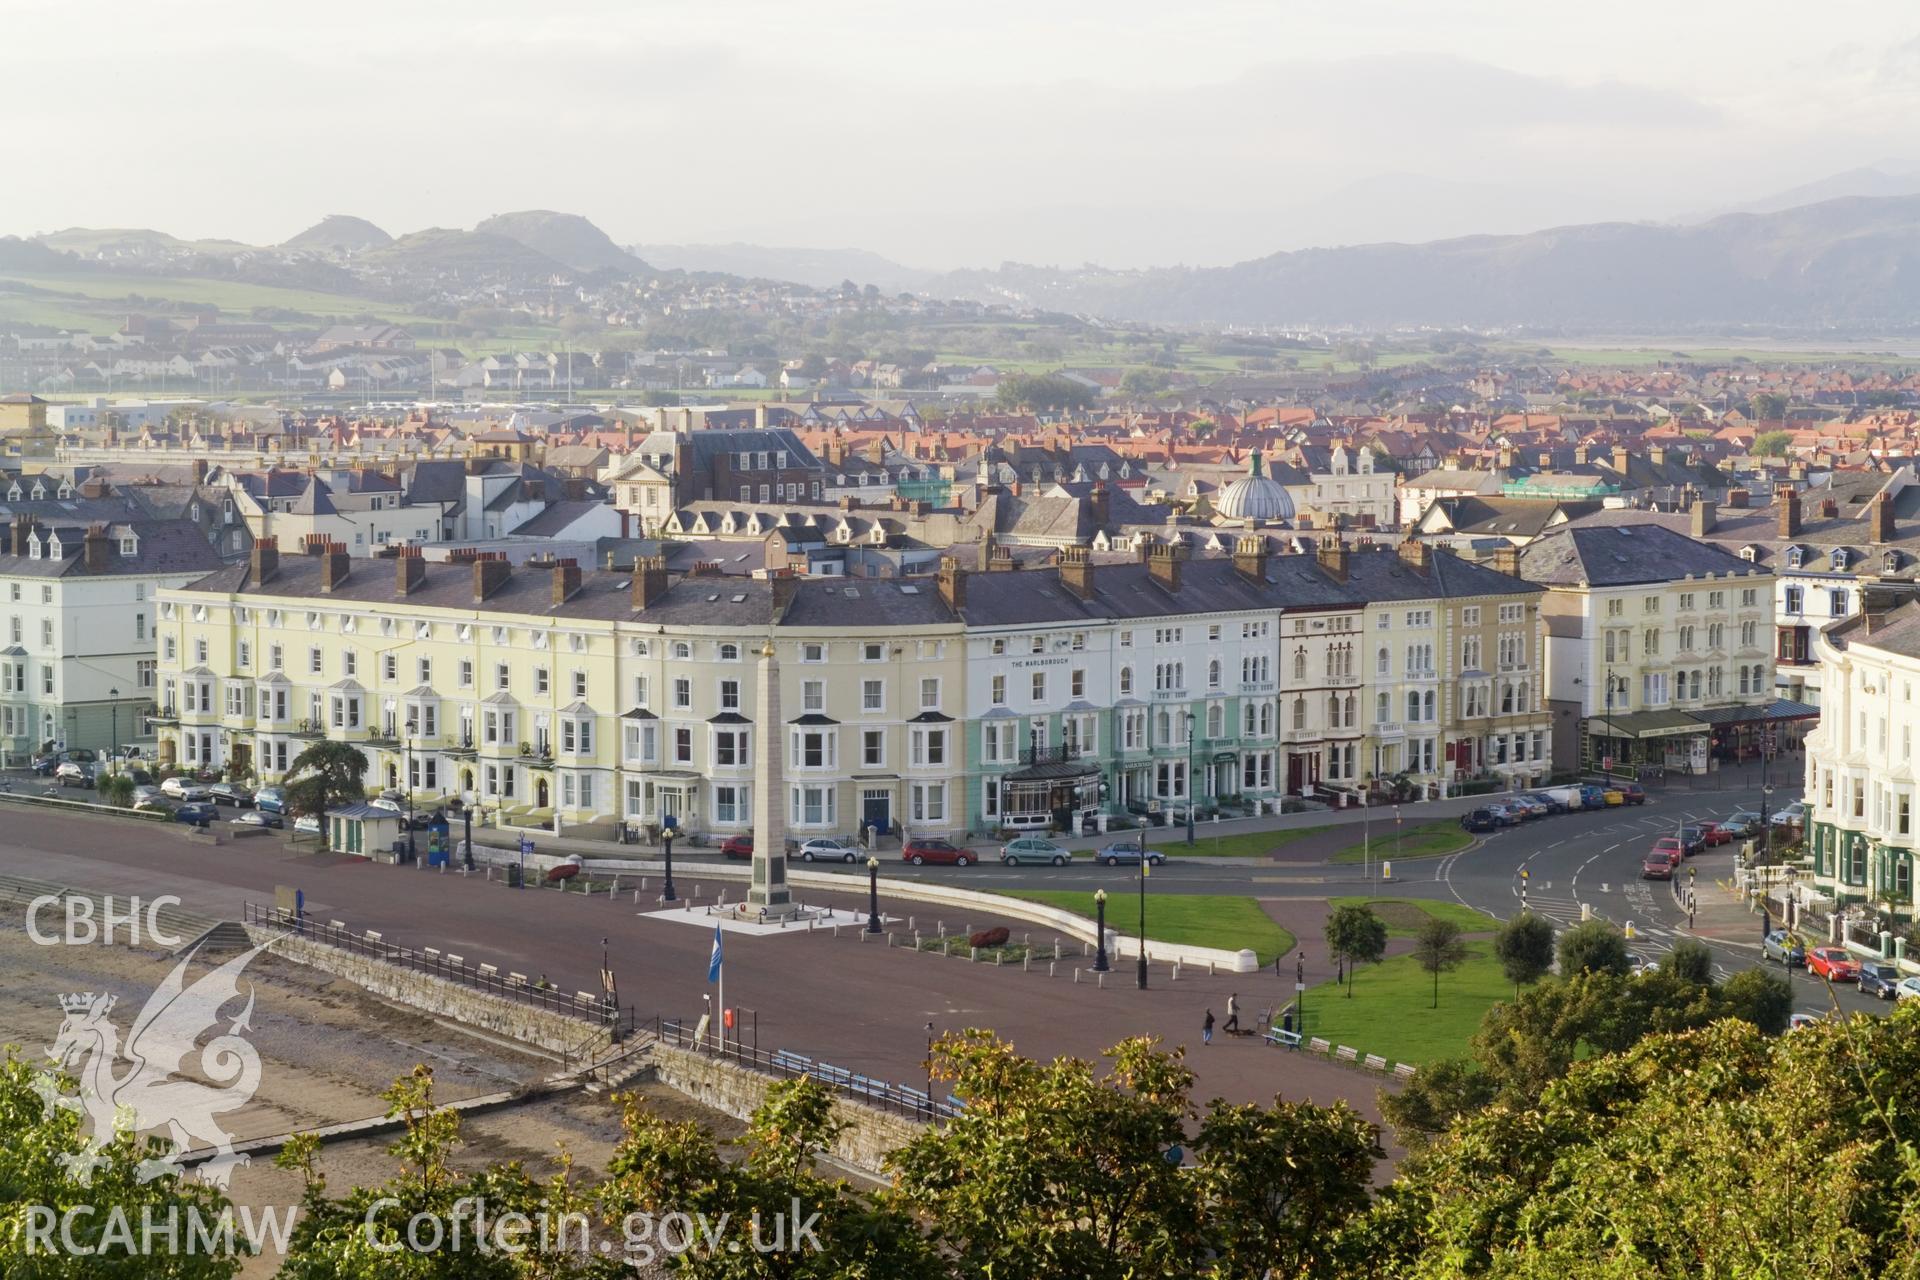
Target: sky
point(1059, 132)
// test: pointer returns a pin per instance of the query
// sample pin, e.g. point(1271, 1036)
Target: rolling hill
point(564, 237)
point(339, 233)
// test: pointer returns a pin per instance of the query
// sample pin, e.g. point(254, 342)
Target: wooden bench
point(1317, 1045)
point(1291, 1039)
point(1346, 1053)
point(1404, 1070)
point(1374, 1062)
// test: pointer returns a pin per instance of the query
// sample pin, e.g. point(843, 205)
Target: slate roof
point(165, 547)
point(1621, 555)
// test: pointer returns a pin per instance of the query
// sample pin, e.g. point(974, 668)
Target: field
point(1252, 844)
point(1427, 840)
point(1404, 916)
point(1391, 1012)
point(1188, 919)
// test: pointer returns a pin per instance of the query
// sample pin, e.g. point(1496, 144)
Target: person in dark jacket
point(1206, 1029)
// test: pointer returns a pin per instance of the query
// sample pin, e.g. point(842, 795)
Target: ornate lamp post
point(1100, 964)
point(1141, 969)
point(1191, 794)
point(873, 895)
point(666, 890)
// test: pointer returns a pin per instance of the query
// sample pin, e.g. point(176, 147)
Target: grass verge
point(1427, 840)
point(1188, 919)
point(1250, 844)
point(1404, 916)
point(1392, 1014)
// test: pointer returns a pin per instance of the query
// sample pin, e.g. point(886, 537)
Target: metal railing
point(899, 1099)
point(580, 1005)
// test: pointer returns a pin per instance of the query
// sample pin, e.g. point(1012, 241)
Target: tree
point(1438, 949)
point(1593, 947)
point(1524, 948)
point(1771, 444)
point(324, 776)
point(1765, 406)
point(1143, 382)
point(116, 789)
point(1689, 961)
point(1759, 997)
point(1354, 934)
point(1043, 391)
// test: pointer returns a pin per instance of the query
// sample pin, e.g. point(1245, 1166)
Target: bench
point(1317, 1045)
point(1291, 1039)
point(794, 1062)
point(1404, 1070)
point(1346, 1053)
point(1374, 1062)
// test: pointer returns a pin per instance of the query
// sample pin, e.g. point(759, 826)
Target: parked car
point(1125, 853)
point(1907, 989)
point(1554, 800)
point(46, 762)
point(1034, 849)
point(1743, 822)
point(737, 847)
point(272, 799)
point(1800, 1021)
point(1794, 815)
point(1527, 807)
point(1639, 964)
point(1632, 792)
point(1503, 815)
point(922, 851)
point(150, 798)
point(259, 818)
point(71, 773)
point(1670, 848)
point(829, 849)
point(1717, 833)
point(1479, 820)
point(306, 824)
point(1784, 947)
point(1835, 964)
point(1613, 795)
point(199, 813)
point(1695, 838)
point(184, 788)
point(1592, 797)
point(1878, 979)
point(1656, 866)
point(231, 793)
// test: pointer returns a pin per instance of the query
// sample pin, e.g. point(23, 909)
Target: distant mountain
point(820, 268)
point(339, 233)
point(474, 252)
point(564, 237)
point(1852, 262)
point(122, 243)
point(1867, 181)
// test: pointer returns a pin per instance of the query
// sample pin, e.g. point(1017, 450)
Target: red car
point(921, 852)
point(1717, 833)
point(740, 847)
point(1656, 867)
point(1671, 848)
point(1834, 964)
point(1631, 792)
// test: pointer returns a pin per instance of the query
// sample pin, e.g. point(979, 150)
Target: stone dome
point(1254, 496)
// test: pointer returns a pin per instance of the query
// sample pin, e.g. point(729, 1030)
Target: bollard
point(1026, 939)
point(912, 925)
point(889, 937)
point(916, 939)
point(616, 887)
point(1103, 979)
point(998, 954)
point(1176, 972)
point(636, 897)
point(1056, 948)
point(1050, 968)
point(1209, 968)
point(643, 882)
point(489, 871)
point(1586, 911)
point(1086, 948)
point(1026, 963)
point(1076, 977)
point(973, 954)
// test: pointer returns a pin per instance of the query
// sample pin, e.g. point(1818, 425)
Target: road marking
point(1605, 888)
point(1609, 849)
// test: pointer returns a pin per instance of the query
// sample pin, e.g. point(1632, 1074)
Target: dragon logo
point(141, 1086)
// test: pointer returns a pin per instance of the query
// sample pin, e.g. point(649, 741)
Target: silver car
point(1034, 850)
point(829, 849)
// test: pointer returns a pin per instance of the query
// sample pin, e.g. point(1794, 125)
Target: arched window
point(1382, 708)
point(1413, 705)
point(1300, 663)
point(1429, 707)
point(1299, 713)
point(1333, 711)
point(1213, 673)
point(1525, 702)
point(1216, 721)
point(1126, 679)
point(1382, 661)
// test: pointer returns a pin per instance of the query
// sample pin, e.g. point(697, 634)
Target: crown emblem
point(79, 1002)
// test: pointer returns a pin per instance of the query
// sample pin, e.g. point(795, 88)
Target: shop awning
point(1644, 724)
point(1054, 771)
point(1757, 713)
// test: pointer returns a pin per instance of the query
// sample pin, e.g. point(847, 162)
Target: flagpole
point(720, 1023)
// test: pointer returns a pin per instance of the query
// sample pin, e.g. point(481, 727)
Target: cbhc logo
point(83, 929)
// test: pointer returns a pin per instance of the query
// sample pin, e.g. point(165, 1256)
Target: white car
point(829, 849)
point(185, 789)
point(149, 798)
point(307, 825)
point(1794, 814)
point(1907, 989)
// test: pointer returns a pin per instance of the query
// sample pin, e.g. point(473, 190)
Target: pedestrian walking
point(1233, 1012)
point(1206, 1029)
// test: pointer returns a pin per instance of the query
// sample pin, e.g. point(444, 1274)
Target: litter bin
point(513, 875)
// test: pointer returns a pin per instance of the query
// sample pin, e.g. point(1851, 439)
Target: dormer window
point(1749, 554)
point(1839, 558)
point(65, 490)
point(34, 547)
point(129, 546)
point(1795, 557)
point(1890, 562)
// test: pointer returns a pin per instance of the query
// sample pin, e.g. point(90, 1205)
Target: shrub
point(994, 937)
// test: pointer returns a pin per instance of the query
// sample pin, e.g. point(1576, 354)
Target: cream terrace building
point(544, 689)
point(1860, 783)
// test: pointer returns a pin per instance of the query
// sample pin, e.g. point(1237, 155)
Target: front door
point(1296, 773)
point(540, 794)
point(876, 809)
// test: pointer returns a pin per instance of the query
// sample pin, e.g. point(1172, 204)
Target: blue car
point(270, 800)
point(199, 813)
point(1879, 980)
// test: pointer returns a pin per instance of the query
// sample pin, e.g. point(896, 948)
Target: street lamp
point(406, 751)
point(873, 895)
point(666, 891)
point(1100, 931)
point(929, 1069)
point(113, 701)
point(1143, 862)
point(1141, 972)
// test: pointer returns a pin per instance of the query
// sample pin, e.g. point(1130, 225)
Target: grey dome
point(1254, 496)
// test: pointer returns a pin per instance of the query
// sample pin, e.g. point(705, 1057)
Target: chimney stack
point(1506, 559)
point(1332, 554)
point(94, 548)
point(491, 570)
point(334, 565)
point(266, 559)
point(1737, 499)
point(952, 581)
point(1706, 514)
point(1250, 556)
point(1788, 499)
point(409, 570)
point(1163, 565)
point(1414, 554)
point(1829, 509)
point(1880, 518)
point(785, 587)
point(1620, 458)
point(566, 581)
point(649, 580)
point(1076, 571)
point(1102, 503)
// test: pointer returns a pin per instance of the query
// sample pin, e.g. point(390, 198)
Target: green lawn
point(1172, 841)
point(1390, 1013)
point(1405, 915)
point(1191, 919)
point(1427, 840)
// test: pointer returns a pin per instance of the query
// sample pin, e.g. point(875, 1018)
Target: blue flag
point(713, 962)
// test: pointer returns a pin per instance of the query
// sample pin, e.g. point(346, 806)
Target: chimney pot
point(335, 564)
point(1788, 499)
point(649, 580)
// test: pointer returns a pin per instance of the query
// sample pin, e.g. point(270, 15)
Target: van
point(1574, 797)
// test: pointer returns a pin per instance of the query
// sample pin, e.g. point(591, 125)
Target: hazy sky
point(1059, 131)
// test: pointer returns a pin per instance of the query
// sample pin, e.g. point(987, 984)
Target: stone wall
point(736, 1090)
point(570, 1037)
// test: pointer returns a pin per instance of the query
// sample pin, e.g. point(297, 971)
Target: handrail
point(897, 1098)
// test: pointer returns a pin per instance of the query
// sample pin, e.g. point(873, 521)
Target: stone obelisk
point(768, 896)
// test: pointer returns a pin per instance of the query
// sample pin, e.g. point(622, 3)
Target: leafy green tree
point(1143, 382)
point(1438, 949)
point(46, 1147)
point(116, 789)
point(1765, 406)
point(1524, 948)
point(1043, 391)
point(1356, 934)
point(1593, 947)
point(1771, 444)
point(1759, 997)
point(325, 776)
point(1689, 961)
